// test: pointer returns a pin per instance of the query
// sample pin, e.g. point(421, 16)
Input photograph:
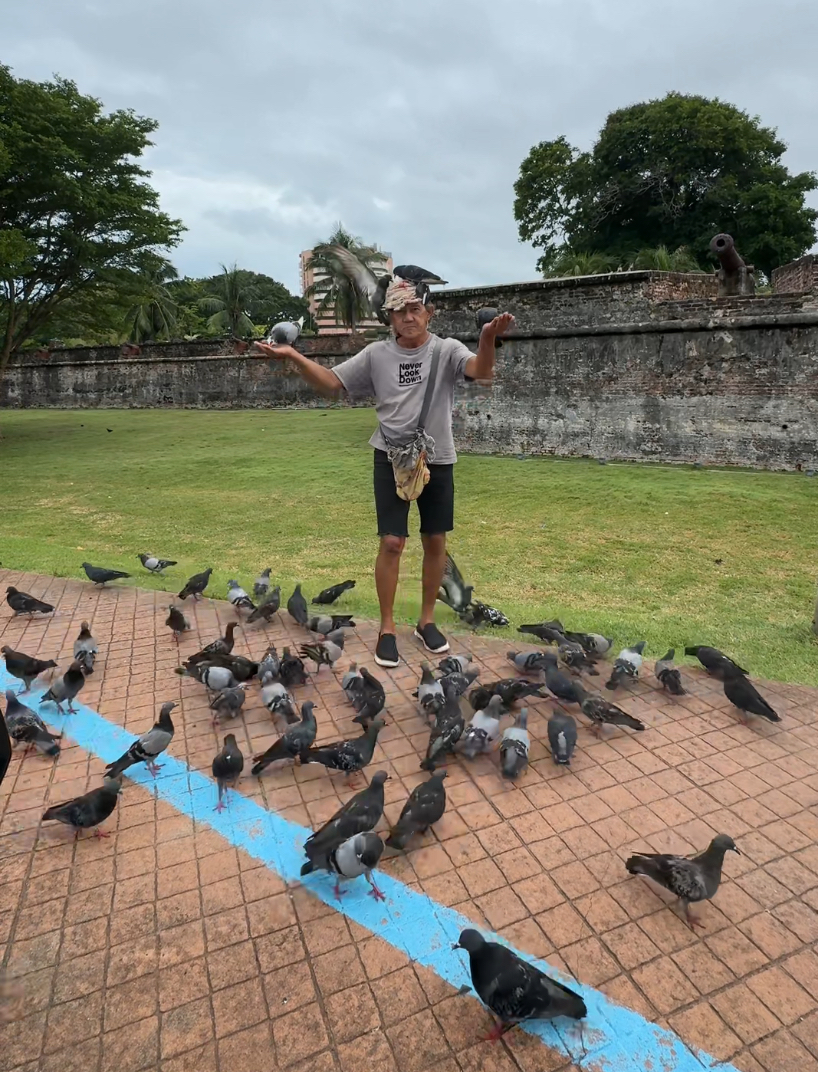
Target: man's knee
point(393, 545)
point(434, 542)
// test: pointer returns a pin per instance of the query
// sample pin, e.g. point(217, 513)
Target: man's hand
point(266, 349)
point(498, 326)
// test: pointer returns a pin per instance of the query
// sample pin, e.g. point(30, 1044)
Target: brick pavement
point(163, 947)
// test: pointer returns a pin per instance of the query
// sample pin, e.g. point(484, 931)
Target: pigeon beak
point(735, 849)
point(457, 945)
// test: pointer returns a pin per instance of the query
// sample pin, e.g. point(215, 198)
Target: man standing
point(395, 372)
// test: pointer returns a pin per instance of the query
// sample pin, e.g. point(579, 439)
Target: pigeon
point(228, 702)
point(329, 623)
point(425, 806)
point(25, 725)
point(454, 591)
point(154, 564)
point(477, 614)
point(560, 684)
point(242, 668)
point(147, 747)
point(528, 662)
point(360, 815)
point(297, 607)
point(666, 673)
point(277, 699)
point(514, 990)
point(429, 693)
point(23, 603)
point(485, 316)
point(25, 667)
point(348, 756)
point(352, 682)
point(270, 664)
point(99, 575)
point(89, 810)
point(266, 610)
point(714, 661)
point(509, 689)
point(227, 767)
point(446, 732)
point(327, 653)
point(295, 740)
point(85, 648)
point(368, 699)
point(459, 683)
point(356, 856)
point(562, 736)
point(483, 730)
point(455, 664)
point(223, 645)
point(176, 622)
point(745, 696)
point(65, 688)
point(292, 670)
point(576, 657)
point(261, 585)
point(372, 291)
point(5, 750)
point(627, 664)
point(600, 711)
point(196, 585)
point(238, 597)
point(550, 632)
point(514, 746)
point(691, 880)
point(593, 643)
point(285, 332)
point(213, 677)
point(330, 595)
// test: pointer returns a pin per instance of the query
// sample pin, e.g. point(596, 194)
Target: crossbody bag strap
point(430, 384)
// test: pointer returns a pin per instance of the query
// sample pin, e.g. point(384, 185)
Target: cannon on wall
point(734, 277)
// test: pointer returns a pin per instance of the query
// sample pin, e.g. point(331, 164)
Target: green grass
point(627, 550)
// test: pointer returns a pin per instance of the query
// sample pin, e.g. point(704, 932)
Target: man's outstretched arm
point(318, 376)
point(481, 365)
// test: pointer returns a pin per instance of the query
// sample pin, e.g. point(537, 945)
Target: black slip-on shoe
point(432, 638)
point(386, 653)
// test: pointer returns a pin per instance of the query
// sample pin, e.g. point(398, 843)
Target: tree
point(268, 302)
point(671, 172)
point(227, 304)
point(342, 295)
point(154, 315)
point(571, 262)
point(661, 259)
point(75, 211)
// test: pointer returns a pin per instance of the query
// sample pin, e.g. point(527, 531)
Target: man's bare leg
point(387, 571)
point(434, 563)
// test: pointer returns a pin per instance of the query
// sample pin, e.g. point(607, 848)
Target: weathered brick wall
point(800, 275)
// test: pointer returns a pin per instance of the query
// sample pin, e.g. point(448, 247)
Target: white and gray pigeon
point(148, 746)
point(627, 664)
point(156, 565)
point(270, 664)
point(356, 856)
point(86, 649)
point(228, 702)
point(277, 699)
point(528, 662)
point(227, 767)
point(285, 332)
point(459, 683)
point(668, 674)
point(329, 623)
point(515, 746)
point(66, 688)
point(455, 664)
point(562, 737)
point(690, 880)
point(89, 810)
point(238, 597)
point(352, 682)
point(483, 730)
point(26, 726)
point(429, 693)
point(214, 678)
point(327, 652)
point(261, 584)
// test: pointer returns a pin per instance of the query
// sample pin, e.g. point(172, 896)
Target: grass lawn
point(674, 556)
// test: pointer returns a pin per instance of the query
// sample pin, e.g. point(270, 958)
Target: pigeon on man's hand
point(148, 747)
point(690, 880)
point(268, 608)
point(196, 585)
point(26, 726)
point(515, 746)
point(485, 316)
point(23, 603)
point(227, 767)
point(514, 990)
point(295, 740)
point(285, 332)
point(368, 698)
point(426, 804)
point(297, 607)
point(669, 676)
point(261, 584)
point(745, 696)
point(101, 576)
point(326, 653)
point(715, 662)
point(292, 670)
point(626, 665)
point(349, 756)
point(156, 565)
point(238, 598)
point(330, 595)
point(228, 702)
point(25, 667)
point(483, 729)
point(89, 810)
point(66, 688)
point(176, 622)
point(600, 711)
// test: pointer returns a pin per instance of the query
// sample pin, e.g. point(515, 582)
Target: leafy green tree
point(268, 301)
point(76, 213)
point(343, 297)
point(661, 259)
point(154, 315)
point(228, 301)
point(671, 172)
point(571, 262)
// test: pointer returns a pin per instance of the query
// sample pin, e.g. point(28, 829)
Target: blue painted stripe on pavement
point(616, 1039)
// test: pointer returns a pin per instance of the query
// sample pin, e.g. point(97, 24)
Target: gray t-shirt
point(397, 379)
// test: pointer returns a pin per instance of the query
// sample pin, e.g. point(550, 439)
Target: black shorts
point(435, 503)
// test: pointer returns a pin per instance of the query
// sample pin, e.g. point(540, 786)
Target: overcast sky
point(408, 121)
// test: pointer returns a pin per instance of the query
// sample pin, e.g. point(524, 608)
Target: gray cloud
point(408, 124)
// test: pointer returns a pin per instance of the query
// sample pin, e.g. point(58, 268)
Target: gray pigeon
point(485, 316)
point(349, 756)
point(176, 622)
point(25, 725)
point(196, 585)
point(99, 575)
point(562, 736)
point(148, 746)
point(238, 597)
point(352, 681)
point(626, 664)
point(515, 746)
point(429, 693)
point(228, 702)
point(277, 699)
point(227, 767)
point(669, 676)
point(270, 664)
point(86, 649)
point(600, 712)
point(295, 740)
point(66, 688)
point(89, 810)
point(446, 732)
point(328, 652)
point(25, 667)
point(455, 664)
point(356, 856)
point(575, 656)
point(426, 804)
point(368, 697)
point(261, 584)
point(285, 332)
point(156, 565)
point(459, 683)
point(297, 607)
point(483, 730)
point(329, 623)
point(213, 677)
point(528, 662)
point(268, 608)
point(559, 684)
point(690, 880)
point(454, 591)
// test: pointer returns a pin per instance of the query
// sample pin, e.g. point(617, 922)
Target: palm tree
point(661, 259)
point(227, 306)
point(154, 312)
point(342, 296)
point(573, 262)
